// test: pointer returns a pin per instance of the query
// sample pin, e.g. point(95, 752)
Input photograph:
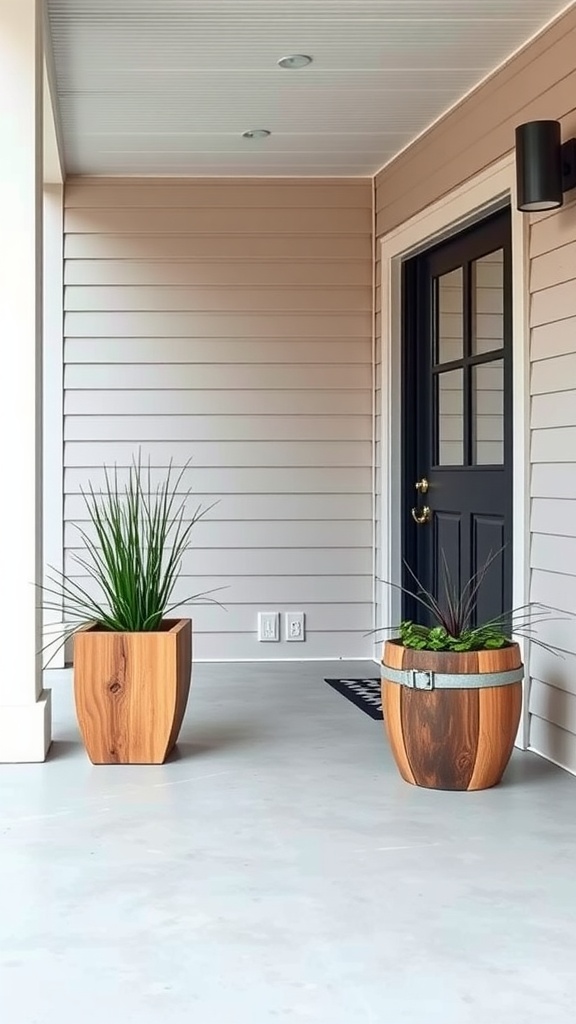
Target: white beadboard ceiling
point(166, 87)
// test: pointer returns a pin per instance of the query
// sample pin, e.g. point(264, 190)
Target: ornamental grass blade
point(132, 552)
point(453, 623)
point(472, 588)
point(428, 600)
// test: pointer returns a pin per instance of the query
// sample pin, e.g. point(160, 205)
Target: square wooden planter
point(131, 691)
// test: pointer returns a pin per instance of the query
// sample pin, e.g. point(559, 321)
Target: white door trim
point(475, 199)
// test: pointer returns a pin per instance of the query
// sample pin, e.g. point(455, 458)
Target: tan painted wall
point(539, 83)
point(231, 322)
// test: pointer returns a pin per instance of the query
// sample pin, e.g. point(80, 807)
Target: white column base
point(26, 730)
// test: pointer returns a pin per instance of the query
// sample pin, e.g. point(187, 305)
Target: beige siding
point(539, 83)
point(553, 420)
point(231, 323)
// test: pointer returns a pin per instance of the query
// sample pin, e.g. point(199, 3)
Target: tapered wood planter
point(131, 691)
point(455, 739)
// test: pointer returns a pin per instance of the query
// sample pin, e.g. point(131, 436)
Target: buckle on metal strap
point(418, 680)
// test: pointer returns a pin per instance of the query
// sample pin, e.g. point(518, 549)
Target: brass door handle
point(422, 485)
point(422, 515)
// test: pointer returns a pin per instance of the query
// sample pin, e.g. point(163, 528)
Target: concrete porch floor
point(279, 870)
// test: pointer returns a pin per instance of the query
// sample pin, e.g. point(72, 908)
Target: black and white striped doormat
point(364, 693)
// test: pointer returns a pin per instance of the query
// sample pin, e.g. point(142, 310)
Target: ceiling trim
point(54, 165)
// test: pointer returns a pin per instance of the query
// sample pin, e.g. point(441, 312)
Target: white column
point(24, 705)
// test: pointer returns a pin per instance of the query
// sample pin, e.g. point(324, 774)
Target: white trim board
point(472, 201)
point(53, 394)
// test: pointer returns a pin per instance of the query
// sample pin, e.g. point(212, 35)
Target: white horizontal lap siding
point(553, 503)
point(230, 323)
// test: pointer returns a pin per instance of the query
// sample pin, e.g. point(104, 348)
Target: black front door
point(457, 414)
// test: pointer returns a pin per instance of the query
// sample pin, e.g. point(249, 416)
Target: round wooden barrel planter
point(451, 718)
point(131, 691)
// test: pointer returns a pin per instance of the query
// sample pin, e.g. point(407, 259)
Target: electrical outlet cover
point(295, 626)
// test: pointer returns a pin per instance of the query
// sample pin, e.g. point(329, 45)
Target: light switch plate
point(268, 627)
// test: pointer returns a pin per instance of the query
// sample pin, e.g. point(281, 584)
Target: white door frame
point(477, 198)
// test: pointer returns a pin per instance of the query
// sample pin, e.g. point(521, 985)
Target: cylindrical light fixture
point(539, 166)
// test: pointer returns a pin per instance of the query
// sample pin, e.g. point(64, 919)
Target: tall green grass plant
point(132, 553)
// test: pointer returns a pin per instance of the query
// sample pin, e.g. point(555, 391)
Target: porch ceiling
point(166, 87)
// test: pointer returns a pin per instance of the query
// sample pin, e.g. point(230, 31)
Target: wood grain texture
point(392, 709)
point(183, 638)
point(440, 731)
point(131, 691)
point(452, 739)
point(499, 713)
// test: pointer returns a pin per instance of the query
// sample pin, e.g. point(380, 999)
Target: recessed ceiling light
point(295, 61)
point(256, 133)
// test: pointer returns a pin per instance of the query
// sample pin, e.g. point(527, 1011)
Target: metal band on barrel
point(415, 679)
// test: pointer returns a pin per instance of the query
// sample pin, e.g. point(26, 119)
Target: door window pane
point(488, 303)
point(450, 306)
point(488, 411)
point(450, 418)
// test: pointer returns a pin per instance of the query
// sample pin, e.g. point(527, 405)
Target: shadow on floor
point(207, 740)
point(526, 768)
point(60, 749)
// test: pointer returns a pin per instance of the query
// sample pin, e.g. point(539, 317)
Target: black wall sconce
point(545, 167)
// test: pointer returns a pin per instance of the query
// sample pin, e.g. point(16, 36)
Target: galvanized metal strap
point(419, 680)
